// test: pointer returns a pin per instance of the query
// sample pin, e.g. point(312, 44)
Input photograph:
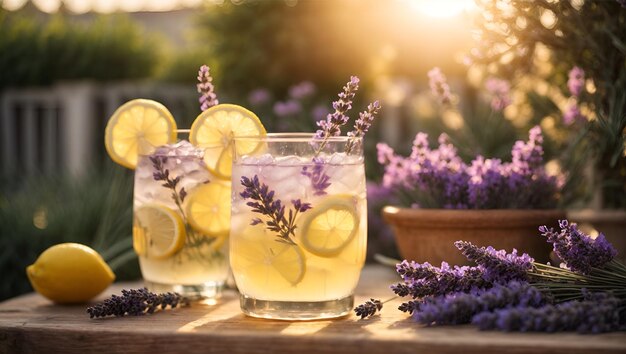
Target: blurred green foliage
point(270, 44)
point(40, 52)
point(40, 211)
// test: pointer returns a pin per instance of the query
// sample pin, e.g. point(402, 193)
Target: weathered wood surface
point(31, 324)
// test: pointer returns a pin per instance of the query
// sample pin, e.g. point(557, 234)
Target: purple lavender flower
point(396, 168)
point(135, 302)
point(460, 307)
point(576, 81)
point(500, 92)
point(362, 125)
point(300, 206)
point(302, 90)
point(377, 194)
point(163, 174)
point(317, 175)
point(421, 280)
point(573, 114)
point(438, 178)
point(410, 271)
point(529, 155)
point(331, 126)
point(369, 308)
point(259, 96)
point(420, 148)
point(319, 112)
point(486, 183)
point(208, 98)
point(410, 307)
point(598, 313)
point(384, 153)
point(263, 202)
point(287, 108)
point(580, 252)
point(439, 85)
point(500, 267)
point(525, 176)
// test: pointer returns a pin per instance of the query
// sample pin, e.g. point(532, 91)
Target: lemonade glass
point(179, 230)
point(298, 225)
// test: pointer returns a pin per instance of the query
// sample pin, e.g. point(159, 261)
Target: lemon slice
point(138, 127)
point(217, 243)
point(215, 128)
point(158, 231)
point(264, 261)
point(329, 226)
point(208, 208)
point(140, 243)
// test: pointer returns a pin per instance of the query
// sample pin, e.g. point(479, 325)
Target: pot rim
point(475, 218)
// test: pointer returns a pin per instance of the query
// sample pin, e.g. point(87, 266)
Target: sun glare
point(441, 8)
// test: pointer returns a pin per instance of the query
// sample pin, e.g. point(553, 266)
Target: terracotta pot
point(428, 235)
point(612, 223)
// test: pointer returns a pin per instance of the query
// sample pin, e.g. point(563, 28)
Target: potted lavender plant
point(587, 39)
point(486, 202)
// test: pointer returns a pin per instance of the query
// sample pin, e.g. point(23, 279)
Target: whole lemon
point(69, 273)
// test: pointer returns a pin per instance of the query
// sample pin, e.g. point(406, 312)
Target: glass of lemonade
point(180, 233)
point(298, 225)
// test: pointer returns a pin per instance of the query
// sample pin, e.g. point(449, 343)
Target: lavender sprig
point(317, 175)
point(499, 266)
point(162, 174)
point(439, 85)
point(362, 125)
point(460, 307)
point(331, 126)
point(511, 292)
point(421, 280)
point(263, 202)
point(597, 313)
point(580, 252)
point(135, 302)
point(368, 308)
point(334, 121)
point(208, 98)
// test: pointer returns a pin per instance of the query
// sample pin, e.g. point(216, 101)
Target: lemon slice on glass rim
point(329, 227)
point(215, 130)
point(158, 231)
point(136, 128)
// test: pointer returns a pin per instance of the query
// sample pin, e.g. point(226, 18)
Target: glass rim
point(293, 138)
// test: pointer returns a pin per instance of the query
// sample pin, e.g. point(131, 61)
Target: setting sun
point(441, 8)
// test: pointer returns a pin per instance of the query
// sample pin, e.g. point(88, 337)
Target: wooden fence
point(60, 129)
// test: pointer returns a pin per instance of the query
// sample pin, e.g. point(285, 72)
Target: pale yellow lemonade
point(322, 262)
point(180, 231)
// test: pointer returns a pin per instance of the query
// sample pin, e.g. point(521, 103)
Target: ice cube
point(346, 174)
point(284, 168)
point(264, 159)
point(189, 165)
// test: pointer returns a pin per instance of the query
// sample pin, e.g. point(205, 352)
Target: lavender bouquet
point(438, 178)
point(512, 292)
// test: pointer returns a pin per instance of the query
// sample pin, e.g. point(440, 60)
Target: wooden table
point(31, 324)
